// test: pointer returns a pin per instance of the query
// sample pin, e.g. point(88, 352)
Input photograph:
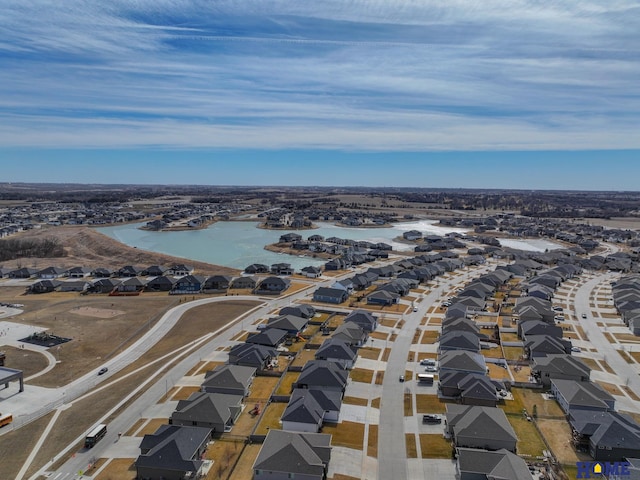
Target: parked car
point(431, 419)
point(428, 361)
point(103, 370)
point(557, 309)
point(575, 349)
point(431, 369)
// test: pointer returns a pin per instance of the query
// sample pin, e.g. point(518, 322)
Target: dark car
point(401, 378)
point(103, 370)
point(431, 419)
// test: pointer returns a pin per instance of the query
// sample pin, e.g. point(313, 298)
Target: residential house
point(180, 270)
point(469, 388)
point(188, 284)
point(161, 283)
point(254, 355)
point(270, 337)
point(364, 319)
point(256, 268)
point(153, 271)
point(477, 464)
point(173, 452)
point(281, 269)
point(572, 395)
point(243, 283)
point(303, 310)
point(78, 272)
point(323, 375)
point(44, 286)
point(330, 295)
point(50, 272)
point(285, 455)
point(382, 297)
point(74, 286)
point(290, 323)
point(104, 285)
point(216, 284)
point(311, 271)
point(528, 328)
point(303, 413)
point(24, 272)
point(351, 333)
point(229, 379)
point(129, 271)
point(559, 366)
point(480, 427)
point(459, 340)
point(130, 285)
point(607, 436)
point(273, 285)
point(215, 411)
point(102, 272)
point(542, 345)
point(338, 351)
point(461, 361)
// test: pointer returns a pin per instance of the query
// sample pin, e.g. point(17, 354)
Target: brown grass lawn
point(261, 389)
point(529, 440)
point(135, 427)
point(151, 426)
point(434, 321)
point(369, 352)
point(513, 353)
point(408, 405)
point(184, 393)
point(434, 445)
point(385, 354)
point(246, 422)
point(379, 335)
point(626, 357)
point(530, 398)
point(287, 382)
point(271, 418)
point(606, 367)
point(224, 455)
point(372, 442)
point(611, 388)
point(591, 363)
point(429, 404)
point(244, 466)
point(636, 356)
point(609, 337)
point(492, 352)
point(361, 375)
point(498, 373)
point(388, 322)
point(627, 337)
point(429, 336)
point(517, 404)
point(509, 337)
point(346, 434)
point(379, 377)
point(119, 469)
point(340, 476)
point(557, 433)
point(17, 445)
point(521, 375)
point(631, 393)
point(355, 401)
point(303, 357)
point(410, 443)
point(375, 403)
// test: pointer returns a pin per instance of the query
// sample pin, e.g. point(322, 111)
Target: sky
point(425, 93)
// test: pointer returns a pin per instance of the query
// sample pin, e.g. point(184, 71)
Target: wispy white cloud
point(360, 75)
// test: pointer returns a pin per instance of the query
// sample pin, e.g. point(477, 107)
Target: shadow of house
point(215, 411)
point(173, 452)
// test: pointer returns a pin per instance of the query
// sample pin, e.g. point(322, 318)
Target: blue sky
point(320, 93)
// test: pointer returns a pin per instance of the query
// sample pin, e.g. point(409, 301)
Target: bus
point(5, 419)
point(425, 379)
point(95, 435)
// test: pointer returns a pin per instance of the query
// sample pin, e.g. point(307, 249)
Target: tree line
point(12, 248)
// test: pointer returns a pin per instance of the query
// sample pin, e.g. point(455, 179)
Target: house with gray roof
point(337, 350)
point(351, 333)
point(215, 411)
point(104, 285)
point(330, 295)
point(303, 310)
point(303, 413)
point(44, 286)
point(383, 297)
point(476, 464)
point(542, 345)
point(173, 452)
point(538, 327)
point(367, 321)
point(323, 374)
point(273, 285)
point(459, 340)
point(285, 455)
point(559, 366)
point(572, 395)
point(290, 323)
point(244, 282)
point(480, 427)
point(270, 337)
point(252, 355)
point(462, 361)
point(216, 284)
point(469, 388)
point(161, 283)
point(50, 273)
point(607, 436)
point(229, 379)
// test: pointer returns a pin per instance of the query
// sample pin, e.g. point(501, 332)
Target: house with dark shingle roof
point(303, 413)
point(607, 436)
point(44, 286)
point(459, 340)
point(273, 285)
point(173, 452)
point(477, 464)
point(252, 355)
point(270, 337)
point(542, 345)
point(216, 283)
point(161, 283)
point(215, 411)
point(480, 427)
point(462, 361)
point(285, 455)
point(469, 388)
point(290, 323)
point(559, 366)
point(364, 319)
point(351, 333)
point(339, 351)
point(330, 295)
point(322, 374)
point(572, 395)
point(229, 379)
point(50, 273)
point(304, 311)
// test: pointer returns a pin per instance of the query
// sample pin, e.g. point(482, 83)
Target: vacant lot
point(435, 446)
point(346, 434)
point(558, 435)
point(361, 375)
point(429, 404)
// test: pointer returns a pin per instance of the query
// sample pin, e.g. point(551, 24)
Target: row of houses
point(626, 298)
point(127, 271)
point(188, 284)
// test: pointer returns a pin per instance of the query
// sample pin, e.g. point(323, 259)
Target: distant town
point(448, 356)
